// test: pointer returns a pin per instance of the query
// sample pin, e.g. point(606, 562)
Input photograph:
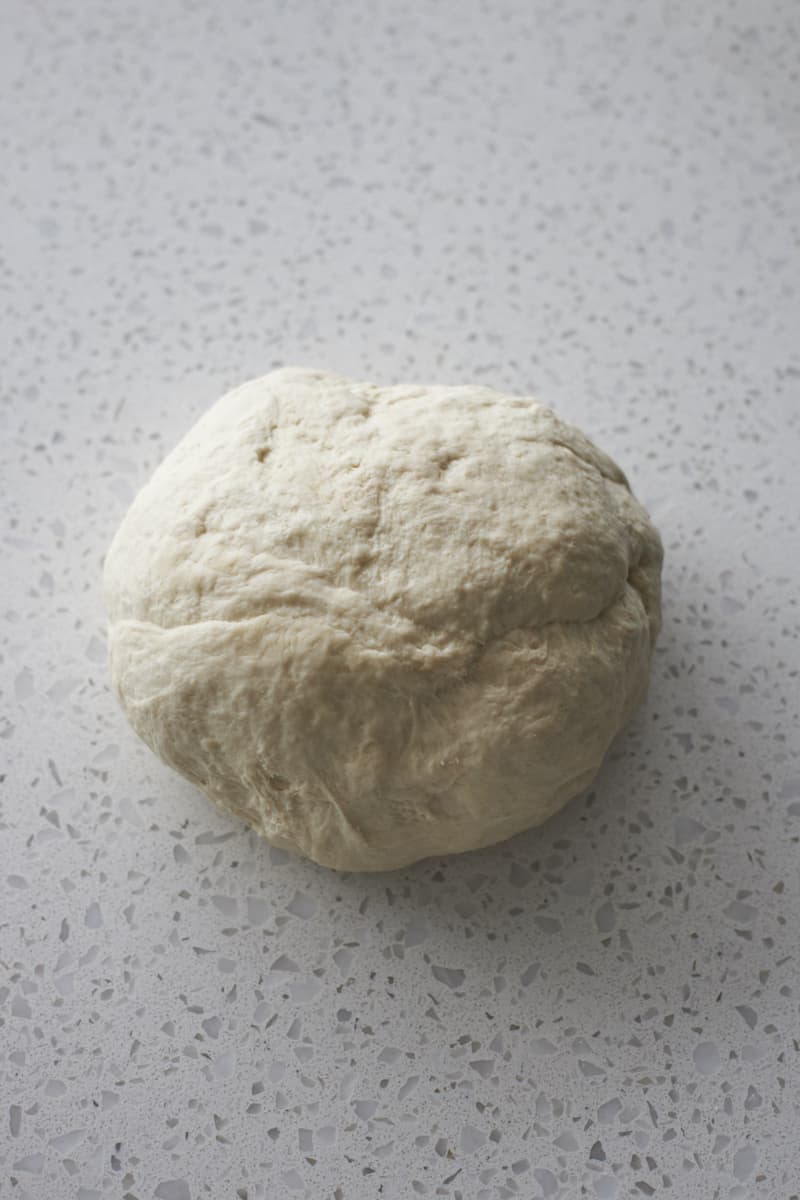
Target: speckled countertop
point(598, 203)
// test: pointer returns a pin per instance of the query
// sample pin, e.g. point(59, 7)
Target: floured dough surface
point(381, 623)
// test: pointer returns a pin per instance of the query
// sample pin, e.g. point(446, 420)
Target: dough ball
point(380, 623)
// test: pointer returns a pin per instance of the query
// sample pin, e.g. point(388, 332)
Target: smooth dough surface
point(380, 623)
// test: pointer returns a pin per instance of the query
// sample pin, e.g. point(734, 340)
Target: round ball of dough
point(380, 623)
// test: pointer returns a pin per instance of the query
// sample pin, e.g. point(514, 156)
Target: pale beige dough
point(380, 623)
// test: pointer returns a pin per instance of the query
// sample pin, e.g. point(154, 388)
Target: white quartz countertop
point(598, 204)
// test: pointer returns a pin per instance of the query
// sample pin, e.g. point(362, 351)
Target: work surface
point(594, 203)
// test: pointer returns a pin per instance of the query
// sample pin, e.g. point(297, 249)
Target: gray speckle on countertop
point(596, 203)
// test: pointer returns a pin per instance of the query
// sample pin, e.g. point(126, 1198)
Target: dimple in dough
point(381, 623)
